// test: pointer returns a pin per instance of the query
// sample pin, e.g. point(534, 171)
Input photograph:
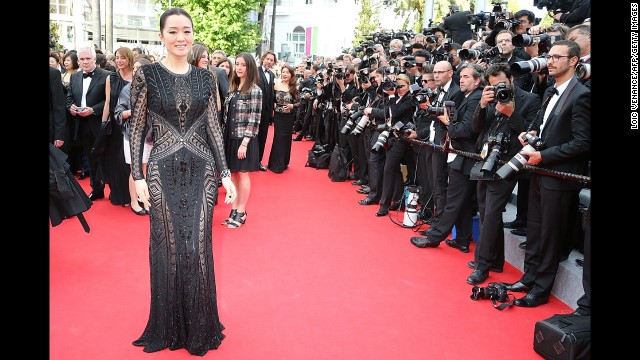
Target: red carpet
point(312, 275)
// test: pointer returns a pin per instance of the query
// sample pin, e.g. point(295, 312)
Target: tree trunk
point(261, 26)
point(95, 22)
point(272, 38)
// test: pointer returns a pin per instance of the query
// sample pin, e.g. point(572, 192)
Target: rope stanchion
point(559, 174)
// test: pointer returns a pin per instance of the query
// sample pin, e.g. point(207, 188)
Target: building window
point(60, 7)
point(298, 40)
point(308, 2)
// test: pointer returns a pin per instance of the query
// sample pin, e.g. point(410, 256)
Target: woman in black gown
point(179, 101)
point(113, 165)
point(287, 98)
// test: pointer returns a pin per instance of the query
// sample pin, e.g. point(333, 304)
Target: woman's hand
point(230, 189)
point(142, 190)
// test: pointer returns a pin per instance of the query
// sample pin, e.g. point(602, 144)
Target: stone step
point(568, 284)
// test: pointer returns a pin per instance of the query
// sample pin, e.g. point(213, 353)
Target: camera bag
point(338, 165)
point(563, 337)
point(318, 159)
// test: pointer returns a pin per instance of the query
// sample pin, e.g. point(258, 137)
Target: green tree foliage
point(223, 24)
point(368, 20)
point(54, 33)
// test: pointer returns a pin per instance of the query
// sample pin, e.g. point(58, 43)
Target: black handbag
point(100, 143)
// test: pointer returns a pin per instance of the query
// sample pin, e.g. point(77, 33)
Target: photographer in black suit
point(579, 11)
point(564, 126)
point(456, 25)
point(437, 160)
point(57, 112)
point(499, 125)
point(85, 101)
point(267, 78)
point(458, 210)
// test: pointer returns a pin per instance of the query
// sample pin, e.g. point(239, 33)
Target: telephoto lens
point(364, 120)
point(526, 67)
point(519, 160)
point(381, 142)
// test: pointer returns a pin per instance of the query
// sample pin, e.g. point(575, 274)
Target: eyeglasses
point(556, 57)
point(427, 80)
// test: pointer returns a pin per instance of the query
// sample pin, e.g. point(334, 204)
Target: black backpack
point(318, 157)
point(338, 166)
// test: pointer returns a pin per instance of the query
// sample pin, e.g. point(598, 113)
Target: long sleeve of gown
point(138, 122)
point(214, 132)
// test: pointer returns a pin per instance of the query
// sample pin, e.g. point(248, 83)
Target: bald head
point(442, 72)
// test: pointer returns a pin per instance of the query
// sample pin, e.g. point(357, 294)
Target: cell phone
point(80, 109)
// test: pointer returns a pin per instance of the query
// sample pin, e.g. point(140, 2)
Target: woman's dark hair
point(252, 74)
point(196, 52)
point(173, 11)
point(74, 59)
point(293, 81)
point(232, 68)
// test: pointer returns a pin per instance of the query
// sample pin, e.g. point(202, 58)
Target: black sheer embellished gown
point(188, 151)
point(282, 127)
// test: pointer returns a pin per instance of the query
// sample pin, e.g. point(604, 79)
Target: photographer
point(504, 39)
point(456, 25)
point(437, 160)
point(377, 111)
point(306, 100)
point(458, 210)
point(348, 75)
point(499, 124)
point(526, 19)
point(564, 125)
point(423, 121)
point(331, 97)
point(401, 110)
point(579, 11)
point(357, 142)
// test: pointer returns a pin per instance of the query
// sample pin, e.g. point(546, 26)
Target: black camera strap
point(505, 304)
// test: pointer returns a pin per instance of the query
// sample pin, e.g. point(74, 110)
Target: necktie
point(85, 75)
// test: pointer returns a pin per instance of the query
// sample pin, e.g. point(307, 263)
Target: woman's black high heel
point(238, 219)
point(231, 215)
point(141, 212)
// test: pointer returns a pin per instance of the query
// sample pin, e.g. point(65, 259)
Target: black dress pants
point(493, 195)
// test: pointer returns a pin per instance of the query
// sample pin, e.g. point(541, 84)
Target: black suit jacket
point(223, 81)
point(457, 27)
point(527, 107)
point(566, 135)
point(57, 110)
point(453, 94)
point(95, 97)
point(461, 132)
point(267, 94)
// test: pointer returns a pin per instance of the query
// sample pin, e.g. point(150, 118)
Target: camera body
point(534, 143)
point(497, 144)
point(503, 93)
point(386, 131)
point(440, 110)
point(424, 95)
point(493, 291)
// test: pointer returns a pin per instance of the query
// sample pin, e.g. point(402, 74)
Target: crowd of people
point(176, 129)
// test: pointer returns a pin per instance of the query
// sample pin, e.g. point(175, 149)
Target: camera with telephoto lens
point(354, 116)
point(538, 65)
point(339, 73)
point(583, 70)
point(498, 145)
point(479, 19)
point(493, 291)
point(388, 85)
point(555, 6)
point(385, 130)
point(423, 95)
point(439, 110)
point(502, 93)
point(474, 54)
point(360, 124)
point(516, 163)
point(544, 41)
